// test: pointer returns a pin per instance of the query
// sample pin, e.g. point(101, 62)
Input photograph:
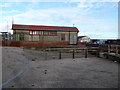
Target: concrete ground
point(45, 70)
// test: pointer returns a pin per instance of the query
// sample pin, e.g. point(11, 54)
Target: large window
point(46, 33)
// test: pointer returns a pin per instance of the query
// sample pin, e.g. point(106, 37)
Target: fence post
point(86, 53)
point(73, 54)
point(59, 54)
point(97, 51)
point(116, 51)
point(108, 52)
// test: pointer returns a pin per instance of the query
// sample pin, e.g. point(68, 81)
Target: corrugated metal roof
point(42, 27)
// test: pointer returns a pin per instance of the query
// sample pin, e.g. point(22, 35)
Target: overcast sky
point(93, 19)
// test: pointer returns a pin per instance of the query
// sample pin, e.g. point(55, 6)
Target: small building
point(83, 39)
point(4, 36)
point(45, 34)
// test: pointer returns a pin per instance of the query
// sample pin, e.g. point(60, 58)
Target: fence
point(113, 50)
point(70, 52)
point(105, 49)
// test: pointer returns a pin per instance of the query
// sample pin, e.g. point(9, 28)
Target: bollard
point(59, 54)
point(73, 54)
point(86, 53)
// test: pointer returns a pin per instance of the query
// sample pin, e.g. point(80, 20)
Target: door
point(73, 39)
point(62, 37)
point(21, 36)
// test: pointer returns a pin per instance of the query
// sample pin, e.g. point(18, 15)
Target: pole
point(59, 54)
point(7, 30)
point(73, 54)
point(116, 51)
point(73, 25)
point(86, 53)
point(98, 51)
point(108, 51)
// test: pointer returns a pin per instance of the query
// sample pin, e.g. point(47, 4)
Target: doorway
point(63, 37)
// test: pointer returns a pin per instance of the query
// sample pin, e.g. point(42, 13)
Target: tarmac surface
point(46, 70)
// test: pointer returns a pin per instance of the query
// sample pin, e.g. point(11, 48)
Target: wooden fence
point(110, 50)
point(107, 50)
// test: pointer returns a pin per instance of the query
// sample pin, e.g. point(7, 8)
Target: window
point(37, 32)
point(21, 36)
point(52, 33)
point(31, 33)
point(40, 32)
point(45, 33)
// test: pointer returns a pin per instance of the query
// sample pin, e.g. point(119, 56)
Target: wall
point(47, 39)
point(32, 44)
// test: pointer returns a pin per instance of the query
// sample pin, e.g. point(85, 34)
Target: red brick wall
point(32, 44)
